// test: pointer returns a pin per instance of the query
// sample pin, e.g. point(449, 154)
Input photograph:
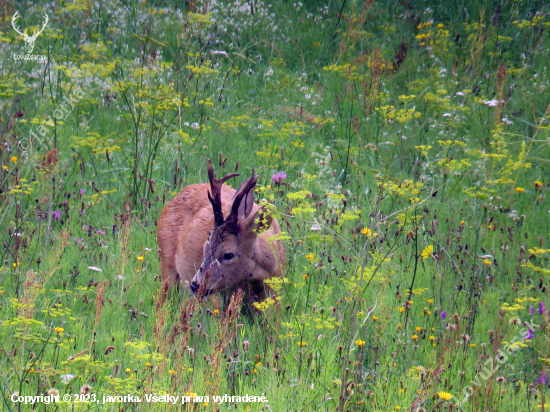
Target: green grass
point(415, 140)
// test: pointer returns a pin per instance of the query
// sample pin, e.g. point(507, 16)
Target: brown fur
point(185, 226)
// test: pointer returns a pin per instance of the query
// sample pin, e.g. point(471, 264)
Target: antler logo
point(29, 40)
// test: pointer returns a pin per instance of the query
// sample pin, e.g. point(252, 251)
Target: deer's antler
point(14, 19)
point(216, 196)
point(35, 33)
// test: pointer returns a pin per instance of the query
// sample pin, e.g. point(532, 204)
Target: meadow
point(404, 146)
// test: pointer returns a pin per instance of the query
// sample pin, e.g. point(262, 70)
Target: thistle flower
point(278, 177)
point(56, 214)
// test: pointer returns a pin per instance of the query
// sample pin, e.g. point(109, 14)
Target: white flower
point(95, 269)
point(269, 72)
point(505, 120)
point(491, 103)
point(446, 114)
point(65, 379)
point(460, 94)
point(315, 226)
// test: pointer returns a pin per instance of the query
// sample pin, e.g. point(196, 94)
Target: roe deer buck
point(196, 241)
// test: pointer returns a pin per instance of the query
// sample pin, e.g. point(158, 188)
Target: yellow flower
point(14, 159)
point(140, 258)
point(520, 189)
point(367, 232)
point(309, 256)
point(397, 407)
point(487, 262)
point(432, 338)
point(538, 184)
point(128, 370)
point(401, 309)
point(5, 167)
point(445, 395)
point(301, 343)
point(414, 337)
point(58, 330)
point(473, 345)
point(205, 404)
point(374, 318)
point(418, 329)
point(216, 312)
point(430, 301)
point(439, 26)
point(359, 342)
point(172, 372)
point(426, 253)
point(428, 313)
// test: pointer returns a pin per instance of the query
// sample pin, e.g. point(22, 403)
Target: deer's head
point(29, 40)
point(231, 251)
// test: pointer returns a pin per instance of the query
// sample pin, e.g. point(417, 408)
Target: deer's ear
point(245, 207)
point(259, 221)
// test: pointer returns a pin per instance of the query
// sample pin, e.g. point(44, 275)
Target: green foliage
point(414, 139)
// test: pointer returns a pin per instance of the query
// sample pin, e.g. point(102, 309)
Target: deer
point(29, 40)
point(213, 238)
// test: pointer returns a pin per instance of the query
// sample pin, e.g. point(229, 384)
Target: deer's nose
point(194, 286)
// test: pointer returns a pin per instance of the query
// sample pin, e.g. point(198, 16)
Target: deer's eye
point(228, 256)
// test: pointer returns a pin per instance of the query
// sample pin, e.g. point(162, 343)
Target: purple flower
point(100, 232)
point(530, 334)
point(278, 177)
point(542, 380)
point(81, 192)
point(56, 214)
point(532, 310)
point(541, 308)
point(443, 315)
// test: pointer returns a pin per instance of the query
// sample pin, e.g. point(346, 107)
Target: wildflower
point(532, 310)
point(171, 372)
point(128, 370)
point(140, 258)
point(14, 159)
point(5, 167)
point(359, 342)
point(56, 214)
point(278, 177)
point(58, 330)
point(401, 309)
point(530, 334)
point(538, 184)
point(443, 315)
point(431, 338)
point(301, 343)
point(367, 232)
point(81, 192)
point(374, 318)
point(216, 312)
point(520, 189)
point(440, 26)
point(491, 103)
point(541, 308)
point(487, 262)
point(414, 337)
point(418, 329)
point(542, 379)
point(444, 395)
point(309, 256)
point(426, 253)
